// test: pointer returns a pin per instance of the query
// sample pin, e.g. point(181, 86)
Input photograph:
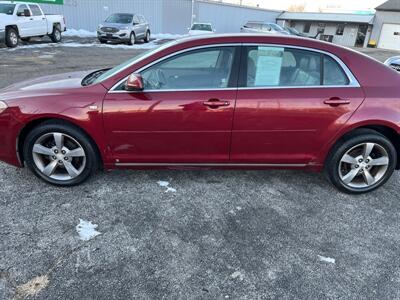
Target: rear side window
point(35, 10)
point(285, 67)
point(333, 73)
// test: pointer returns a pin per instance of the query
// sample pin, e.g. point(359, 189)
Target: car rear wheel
point(132, 39)
point(11, 38)
point(362, 162)
point(56, 36)
point(60, 154)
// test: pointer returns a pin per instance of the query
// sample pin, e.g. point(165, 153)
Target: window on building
point(340, 29)
point(321, 28)
point(307, 27)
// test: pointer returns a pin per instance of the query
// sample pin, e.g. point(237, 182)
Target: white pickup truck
point(19, 20)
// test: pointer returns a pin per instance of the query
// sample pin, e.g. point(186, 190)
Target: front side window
point(35, 10)
point(21, 10)
point(198, 69)
point(289, 67)
point(136, 20)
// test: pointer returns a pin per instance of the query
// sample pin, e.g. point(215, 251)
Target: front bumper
point(10, 128)
point(2, 36)
point(122, 35)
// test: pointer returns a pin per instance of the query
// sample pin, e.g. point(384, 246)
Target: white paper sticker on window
point(269, 65)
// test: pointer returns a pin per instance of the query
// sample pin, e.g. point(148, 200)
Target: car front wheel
point(60, 154)
point(132, 39)
point(362, 162)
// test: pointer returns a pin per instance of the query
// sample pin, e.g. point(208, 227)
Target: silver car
point(125, 28)
point(394, 62)
point(263, 27)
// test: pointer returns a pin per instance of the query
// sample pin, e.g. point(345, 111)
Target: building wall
point(228, 18)
point(348, 38)
point(164, 16)
point(382, 17)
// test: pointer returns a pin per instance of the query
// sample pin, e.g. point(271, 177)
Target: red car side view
point(223, 101)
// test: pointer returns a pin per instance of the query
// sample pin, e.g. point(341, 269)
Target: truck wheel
point(11, 38)
point(132, 39)
point(55, 36)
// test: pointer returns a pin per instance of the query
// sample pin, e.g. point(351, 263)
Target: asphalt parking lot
point(188, 234)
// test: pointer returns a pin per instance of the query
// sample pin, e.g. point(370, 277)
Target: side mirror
point(134, 83)
point(27, 13)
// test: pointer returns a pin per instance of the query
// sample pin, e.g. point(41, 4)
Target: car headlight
point(3, 106)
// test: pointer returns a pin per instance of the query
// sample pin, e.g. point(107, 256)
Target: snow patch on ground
point(87, 230)
point(166, 185)
point(238, 275)
point(327, 259)
point(80, 33)
point(167, 36)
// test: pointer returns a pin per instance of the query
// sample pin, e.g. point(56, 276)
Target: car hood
point(115, 25)
point(47, 84)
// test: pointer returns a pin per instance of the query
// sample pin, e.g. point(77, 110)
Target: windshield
point(120, 18)
point(127, 64)
point(276, 27)
point(7, 9)
point(202, 27)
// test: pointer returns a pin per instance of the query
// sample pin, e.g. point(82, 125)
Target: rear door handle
point(337, 101)
point(215, 103)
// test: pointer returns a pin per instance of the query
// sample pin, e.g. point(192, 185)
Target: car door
point(38, 21)
point(290, 102)
point(184, 114)
point(138, 27)
point(25, 24)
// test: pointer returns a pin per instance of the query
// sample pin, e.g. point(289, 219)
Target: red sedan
point(241, 101)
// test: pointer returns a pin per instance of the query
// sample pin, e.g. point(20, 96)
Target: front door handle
point(335, 101)
point(215, 103)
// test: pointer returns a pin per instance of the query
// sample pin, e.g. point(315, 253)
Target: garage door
point(390, 37)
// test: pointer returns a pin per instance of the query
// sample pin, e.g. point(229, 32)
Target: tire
point(132, 39)
point(102, 41)
point(361, 162)
point(147, 37)
point(50, 161)
point(11, 38)
point(56, 36)
point(27, 39)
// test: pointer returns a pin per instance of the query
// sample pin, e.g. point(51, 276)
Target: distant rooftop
point(328, 17)
point(391, 5)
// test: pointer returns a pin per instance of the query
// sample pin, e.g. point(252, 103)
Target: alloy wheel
point(364, 165)
point(59, 156)
point(13, 38)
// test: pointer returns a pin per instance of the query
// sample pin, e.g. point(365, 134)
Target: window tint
point(206, 68)
point(120, 18)
point(333, 73)
point(35, 10)
point(277, 66)
point(21, 10)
